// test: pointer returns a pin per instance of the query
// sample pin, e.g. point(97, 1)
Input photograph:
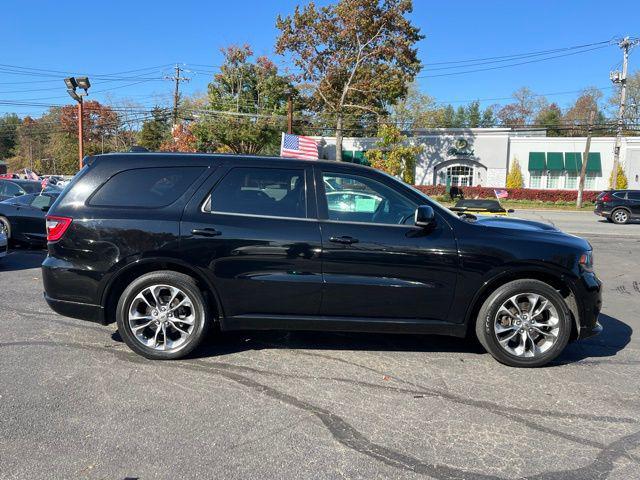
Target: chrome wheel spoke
point(156, 324)
point(531, 330)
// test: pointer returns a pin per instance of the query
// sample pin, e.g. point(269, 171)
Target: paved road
point(75, 403)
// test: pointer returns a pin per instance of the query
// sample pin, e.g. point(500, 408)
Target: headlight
point(586, 261)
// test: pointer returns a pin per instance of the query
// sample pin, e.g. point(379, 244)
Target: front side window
point(274, 192)
point(634, 196)
point(146, 187)
point(360, 199)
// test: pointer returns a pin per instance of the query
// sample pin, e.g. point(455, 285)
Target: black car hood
point(515, 224)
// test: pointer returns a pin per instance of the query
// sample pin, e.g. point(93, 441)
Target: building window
point(571, 182)
point(590, 181)
point(460, 176)
point(535, 179)
point(553, 180)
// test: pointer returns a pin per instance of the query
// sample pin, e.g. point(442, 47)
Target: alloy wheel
point(527, 325)
point(620, 216)
point(162, 317)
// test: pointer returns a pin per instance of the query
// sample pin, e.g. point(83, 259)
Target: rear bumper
point(83, 311)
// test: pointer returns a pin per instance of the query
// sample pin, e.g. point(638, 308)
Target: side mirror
point(18, 194)
point(44, 209)
point(511, 210)
point(425, 216)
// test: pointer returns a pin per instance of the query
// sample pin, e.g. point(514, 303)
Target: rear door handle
point(206, 232)
point(344, 240)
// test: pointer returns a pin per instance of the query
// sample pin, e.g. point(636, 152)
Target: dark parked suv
point(618, 206)
point(167, 245)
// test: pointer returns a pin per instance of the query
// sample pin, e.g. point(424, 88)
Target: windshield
point(31, 187)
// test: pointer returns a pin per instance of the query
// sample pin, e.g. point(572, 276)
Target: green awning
point(594, 164)
point(572, 161)
point(555, 161)
point(352, 156)
point(537, 161)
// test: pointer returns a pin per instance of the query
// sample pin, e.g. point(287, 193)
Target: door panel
point(375, 262)
point(259, 264)
point(391, 271)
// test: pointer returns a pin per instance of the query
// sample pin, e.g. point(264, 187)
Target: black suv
point(618, 206)
point(167, 245)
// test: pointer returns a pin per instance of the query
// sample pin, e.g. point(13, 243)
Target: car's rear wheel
point(5, 227)
point(524, 323)
point(162, 315)
point(620, 216)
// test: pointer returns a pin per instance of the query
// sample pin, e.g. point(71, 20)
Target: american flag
point(297, 146)
point(501, 193)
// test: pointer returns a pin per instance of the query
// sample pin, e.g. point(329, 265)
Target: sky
point(108, 37)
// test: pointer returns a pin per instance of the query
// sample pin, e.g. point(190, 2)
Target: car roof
point(147, 156)
point(19, 181)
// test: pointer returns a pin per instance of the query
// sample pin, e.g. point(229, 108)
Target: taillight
point(607, 197)
point(56, 226)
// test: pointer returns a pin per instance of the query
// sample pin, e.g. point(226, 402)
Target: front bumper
point(590, 302)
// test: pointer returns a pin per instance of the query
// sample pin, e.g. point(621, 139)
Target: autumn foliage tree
point(358, 56)
point(182, 140)
point(247, 102)
point(393, 156)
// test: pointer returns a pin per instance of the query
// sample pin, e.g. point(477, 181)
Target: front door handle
point(206, 232)
point(344, 240)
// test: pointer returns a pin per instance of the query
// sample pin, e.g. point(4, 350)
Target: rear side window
point(146, 187)
point(633, 195)
point(275, 192)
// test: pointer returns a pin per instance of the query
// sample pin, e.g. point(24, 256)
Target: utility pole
point(617, 77)
point(80, 132)
point(176, 91)
point(585, 158)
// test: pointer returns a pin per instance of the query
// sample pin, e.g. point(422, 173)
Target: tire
point(5, 227)
point(545, 334)
point(151, 300)
point(620, 216)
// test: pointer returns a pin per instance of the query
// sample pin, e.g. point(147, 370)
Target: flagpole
point(281, 142)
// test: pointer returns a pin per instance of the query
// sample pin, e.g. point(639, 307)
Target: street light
point(72, 84)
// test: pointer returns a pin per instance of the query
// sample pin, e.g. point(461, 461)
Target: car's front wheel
point(524, 323)
point(5, 227)
point(162, 315)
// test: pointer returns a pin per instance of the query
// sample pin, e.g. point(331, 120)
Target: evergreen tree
point(460, 118)
point(488, 118)
point(155, 131)
point(473, 114)
point(621, 179)
point(448, 117)
point(514, 178)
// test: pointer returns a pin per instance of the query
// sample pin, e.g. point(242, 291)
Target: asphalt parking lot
point(76, 403)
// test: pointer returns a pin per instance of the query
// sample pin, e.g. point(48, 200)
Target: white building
point(482, 156)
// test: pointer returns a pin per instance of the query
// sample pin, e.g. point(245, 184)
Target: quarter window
point(274, 192)
point(355, 198)
point(146, 187)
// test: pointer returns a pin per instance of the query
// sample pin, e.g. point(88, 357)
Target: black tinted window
point(260, 191)
point(633, 195)
point(146, 187)
point(9, 189)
